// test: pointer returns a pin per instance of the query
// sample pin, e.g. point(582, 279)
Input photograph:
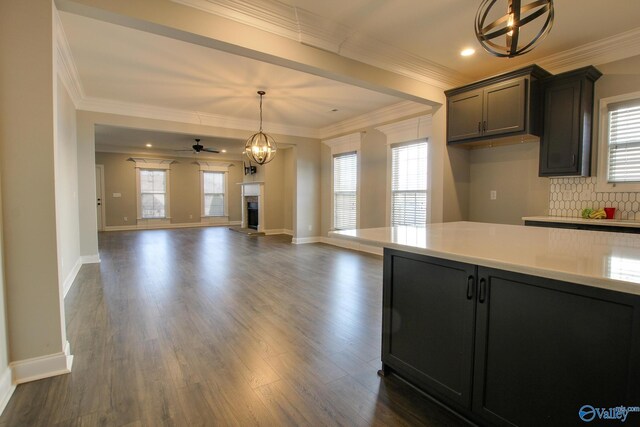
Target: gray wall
point(27, 117)
point(512, 171)
point(120, 177)
point(373, 188)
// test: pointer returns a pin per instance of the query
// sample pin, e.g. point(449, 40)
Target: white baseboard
point(90, 259)
point(278, 231)
point(305, 240)
point(169, 226)
point(41, 367)
point(71, 277)
point(6, 389)
point(370, 249)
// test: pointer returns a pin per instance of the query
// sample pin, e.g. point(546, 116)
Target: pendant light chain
point(260, 111)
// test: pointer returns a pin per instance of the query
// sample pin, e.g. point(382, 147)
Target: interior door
point(100, 196)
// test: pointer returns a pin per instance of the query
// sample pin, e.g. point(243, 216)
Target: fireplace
point(253, 206)
point(252, 215)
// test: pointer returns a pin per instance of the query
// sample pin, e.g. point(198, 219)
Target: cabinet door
point(428, 323)
point(546, 348)
point(560, 145)
point(504, 107)
point(464, 116)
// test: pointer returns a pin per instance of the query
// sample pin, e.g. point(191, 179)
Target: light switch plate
point(117, 195)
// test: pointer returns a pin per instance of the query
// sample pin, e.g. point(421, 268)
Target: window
point(153, 188)
point(214, 193)
point(153, 193)
point(409, 184)
point(345, 184)
point(624, 141)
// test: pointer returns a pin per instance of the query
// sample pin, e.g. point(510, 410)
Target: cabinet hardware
point(484, 126)
point(573, 160)
point(479, 127)
point(482, 290)
point(470, 283)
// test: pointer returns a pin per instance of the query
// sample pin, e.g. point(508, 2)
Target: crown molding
point(98, 105)
point(278, 18)
point(383, 115)
point(65, 65)
point(614, 48)
point(407, 130)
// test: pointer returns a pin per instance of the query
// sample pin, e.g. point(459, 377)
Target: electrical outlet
point(493, 195)
point(190, 216)
point(310, 228)
point(126, 219)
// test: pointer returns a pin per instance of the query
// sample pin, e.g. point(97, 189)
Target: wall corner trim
point(68, 282)
point(90, 259)
point(37, 368)
point(6, 388)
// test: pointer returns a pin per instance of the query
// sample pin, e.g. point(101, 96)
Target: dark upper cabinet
point(565, 147)
point(465, 116)
point(507, 105)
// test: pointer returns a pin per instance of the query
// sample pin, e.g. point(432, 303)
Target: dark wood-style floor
point(209, 327)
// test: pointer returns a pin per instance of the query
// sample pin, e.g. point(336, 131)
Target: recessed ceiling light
point(149, 145)
point(467, 52)
point(334, 110)
point(223, 151)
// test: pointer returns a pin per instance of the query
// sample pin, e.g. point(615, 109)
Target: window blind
point(214, 189)
point(409, 184)
point(624, 142)
point(345, 184)
point(153, 193)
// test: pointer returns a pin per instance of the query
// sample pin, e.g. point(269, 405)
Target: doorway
point(100, 196)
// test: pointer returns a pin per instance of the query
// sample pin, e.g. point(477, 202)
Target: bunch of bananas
point(593, 213)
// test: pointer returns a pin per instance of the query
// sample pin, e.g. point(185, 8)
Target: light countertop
point(601, 259)
point(570, 220)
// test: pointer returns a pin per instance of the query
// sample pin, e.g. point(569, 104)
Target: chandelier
point(510, 26)
point(260, 147)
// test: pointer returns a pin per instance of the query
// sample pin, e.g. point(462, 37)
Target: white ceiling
point(121, 139)
point(126, 65)
point(438, 30)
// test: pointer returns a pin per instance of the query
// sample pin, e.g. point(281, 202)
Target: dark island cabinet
point(507, 105)
point(429, 329)
point(565, 148)
point(509, 349)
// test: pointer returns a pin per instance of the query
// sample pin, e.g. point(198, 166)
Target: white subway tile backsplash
point(569, 196)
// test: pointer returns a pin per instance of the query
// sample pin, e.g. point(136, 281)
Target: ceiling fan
point(197, 147)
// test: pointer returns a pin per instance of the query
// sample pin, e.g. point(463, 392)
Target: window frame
point(165, 193)
point(214, 167)
point(602, 173)
point(390, 147)
point(333, 192)
point(153, 164)
point(341, 145)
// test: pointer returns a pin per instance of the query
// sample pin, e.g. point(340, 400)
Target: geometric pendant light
point(504, 36)
point(260, 147)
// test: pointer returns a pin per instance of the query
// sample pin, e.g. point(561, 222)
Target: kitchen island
point(512, 325)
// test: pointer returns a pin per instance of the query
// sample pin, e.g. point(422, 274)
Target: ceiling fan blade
point(210, 150)
point(190, 149)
